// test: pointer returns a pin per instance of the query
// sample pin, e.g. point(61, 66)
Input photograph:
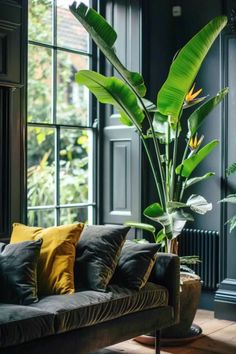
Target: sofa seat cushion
point(19, 324)
point(89, 307)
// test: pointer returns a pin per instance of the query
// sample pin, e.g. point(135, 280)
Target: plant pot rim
point(186, 277)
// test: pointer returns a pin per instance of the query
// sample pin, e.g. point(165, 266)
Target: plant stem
point(162, 195)
point(157, 151)
point(182, 189)
point(148, 154)
point(166, 245)
point(184, 156)
point(174, 162)
point(178, 185)
point(167, 162)
point(153, 169)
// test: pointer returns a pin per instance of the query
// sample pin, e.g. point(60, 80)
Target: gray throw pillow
point(97, 254)
point(18, 272)
point(135, 264)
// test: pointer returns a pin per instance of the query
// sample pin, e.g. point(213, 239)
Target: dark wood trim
point(5, 99)
point(13, 71)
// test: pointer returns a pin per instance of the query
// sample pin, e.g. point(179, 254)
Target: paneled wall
point(225, 298)
point(218, 71)
point(126, 190)
point(121, 151)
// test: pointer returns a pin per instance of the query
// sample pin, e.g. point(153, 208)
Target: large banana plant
point(172, 173)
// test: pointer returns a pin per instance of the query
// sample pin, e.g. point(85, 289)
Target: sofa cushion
point(135, 264)
point(18, 272)
point(85, 308)
point(57, 256)
point(97, 255)
point(19, 324)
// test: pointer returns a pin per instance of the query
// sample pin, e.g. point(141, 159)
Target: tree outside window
point(59, 131)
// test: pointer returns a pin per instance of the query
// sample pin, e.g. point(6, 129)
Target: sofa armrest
point(166, 272)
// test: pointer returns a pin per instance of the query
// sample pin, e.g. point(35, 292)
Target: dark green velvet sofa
point(89, 320)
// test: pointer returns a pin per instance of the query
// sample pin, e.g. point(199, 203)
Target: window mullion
point(57, 174)
point(54, 110)
point(59, 124)
point(54, 64)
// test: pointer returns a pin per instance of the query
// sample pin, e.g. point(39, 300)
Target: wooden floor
point(219, 337)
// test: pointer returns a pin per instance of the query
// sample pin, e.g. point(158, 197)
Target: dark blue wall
point(149, 36)
point(164, 35)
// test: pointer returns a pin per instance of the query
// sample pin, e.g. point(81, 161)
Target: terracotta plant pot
point(189, 299)
point(184, 330)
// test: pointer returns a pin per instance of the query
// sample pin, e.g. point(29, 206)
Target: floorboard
point(219, 337)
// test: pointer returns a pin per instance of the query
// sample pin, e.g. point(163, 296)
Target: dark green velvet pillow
point(135, 264)
point(97, 254)
point(18, 272)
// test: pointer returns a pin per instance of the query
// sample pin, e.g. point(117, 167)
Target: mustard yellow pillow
point(57, 256)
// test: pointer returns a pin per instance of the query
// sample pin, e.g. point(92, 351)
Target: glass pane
point(70, 33)
point(42, 218)
point(40, 20)
point(39, 84)
point(71, 215)
point(41, 166)
point(72, 99)
point(74, 166)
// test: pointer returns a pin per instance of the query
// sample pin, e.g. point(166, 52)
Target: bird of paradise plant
point(171, 170)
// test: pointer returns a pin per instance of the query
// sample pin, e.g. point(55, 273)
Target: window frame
point(92, 126)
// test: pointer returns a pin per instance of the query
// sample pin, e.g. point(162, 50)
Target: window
point(60, 133)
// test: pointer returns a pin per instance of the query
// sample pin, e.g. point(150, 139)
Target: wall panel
point(121, 171)
point(122, 177)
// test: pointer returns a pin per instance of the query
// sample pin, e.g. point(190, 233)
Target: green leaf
point(150, 106)
point(176, 205)
point(199, 204)
point(173, 223)
point(124, 119)
point(189, 260)
point(105, 36)
point(154, 211)
point(185, 68)
point(178, 223)
point(160, 237)
point(197, 117)
point(179, 219)
point(160, 125)
point(231, 198)
point(194, 180)
point(231, 169)
point(140, 240)
point(141, 226)
point(186, 216)
point(113, 91)
point(189, 165)
point(232, 223)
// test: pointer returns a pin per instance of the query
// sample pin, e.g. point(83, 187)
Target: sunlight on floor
point(219, 337)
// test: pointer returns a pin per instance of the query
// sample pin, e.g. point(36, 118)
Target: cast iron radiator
point(205, 244)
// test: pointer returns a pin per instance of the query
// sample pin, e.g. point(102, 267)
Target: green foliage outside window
point(70, 108)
